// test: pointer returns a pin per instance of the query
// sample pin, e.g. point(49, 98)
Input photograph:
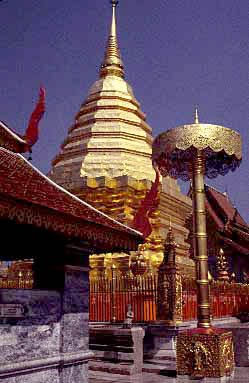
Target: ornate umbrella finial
point(114, 3)
point(196, 116)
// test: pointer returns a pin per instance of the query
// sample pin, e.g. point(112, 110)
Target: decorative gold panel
point(205, 353)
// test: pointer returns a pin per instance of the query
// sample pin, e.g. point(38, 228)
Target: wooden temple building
point(227, 231)
point(28, 197)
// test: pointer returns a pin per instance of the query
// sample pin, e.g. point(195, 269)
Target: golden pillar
point(191, 152)
point(200, 240)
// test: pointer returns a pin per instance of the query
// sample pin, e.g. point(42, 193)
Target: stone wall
point(50, 342)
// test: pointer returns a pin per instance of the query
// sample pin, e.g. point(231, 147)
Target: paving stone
point(241, 375)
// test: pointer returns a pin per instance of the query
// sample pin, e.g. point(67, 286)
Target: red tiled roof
point(236, 246)
point(221, 210)
point(214, 216)
point(20, 180)
point(11, 133)
point(225, 205)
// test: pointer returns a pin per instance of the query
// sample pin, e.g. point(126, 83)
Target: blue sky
point(177, 54)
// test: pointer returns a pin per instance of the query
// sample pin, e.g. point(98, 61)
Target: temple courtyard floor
point(241, 375)
point(156, 371)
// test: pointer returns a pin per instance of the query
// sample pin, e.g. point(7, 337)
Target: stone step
point(165, 368)
point(112, 368)
point(160, 369)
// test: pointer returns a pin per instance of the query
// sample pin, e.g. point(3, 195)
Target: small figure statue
point(201, 359)
point(129, 317)
point(227, 353)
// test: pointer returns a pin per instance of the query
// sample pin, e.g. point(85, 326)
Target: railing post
point(113, 286)
point(169, 298)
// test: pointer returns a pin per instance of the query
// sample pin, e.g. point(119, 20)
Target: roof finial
point(196, 116)
point(112, 64)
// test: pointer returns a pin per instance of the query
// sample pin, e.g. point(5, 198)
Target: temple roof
point(233, 229)
point(10, 139)
point(11, 133)
point(19, 180)
point(221, 208)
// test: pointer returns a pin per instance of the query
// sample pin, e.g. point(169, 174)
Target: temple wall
point(49, 343)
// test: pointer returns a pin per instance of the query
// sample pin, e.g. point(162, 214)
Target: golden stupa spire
point(196, 116)
point(112, 64)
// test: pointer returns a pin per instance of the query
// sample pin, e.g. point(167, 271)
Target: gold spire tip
point(112, 64)
point(196, 116)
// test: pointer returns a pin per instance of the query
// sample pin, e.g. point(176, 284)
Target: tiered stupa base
point(120, 198)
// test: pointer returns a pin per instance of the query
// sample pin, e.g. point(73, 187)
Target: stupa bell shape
point(110, 137)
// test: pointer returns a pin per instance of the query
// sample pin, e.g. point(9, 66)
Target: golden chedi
point(96, 160)
point(110, 134)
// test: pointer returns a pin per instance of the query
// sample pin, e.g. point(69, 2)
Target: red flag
point(32, 131)
point(141, 220)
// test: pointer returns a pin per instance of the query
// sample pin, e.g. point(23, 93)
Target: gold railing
point(227, 299)
point(16, 283)
point(109, 298)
